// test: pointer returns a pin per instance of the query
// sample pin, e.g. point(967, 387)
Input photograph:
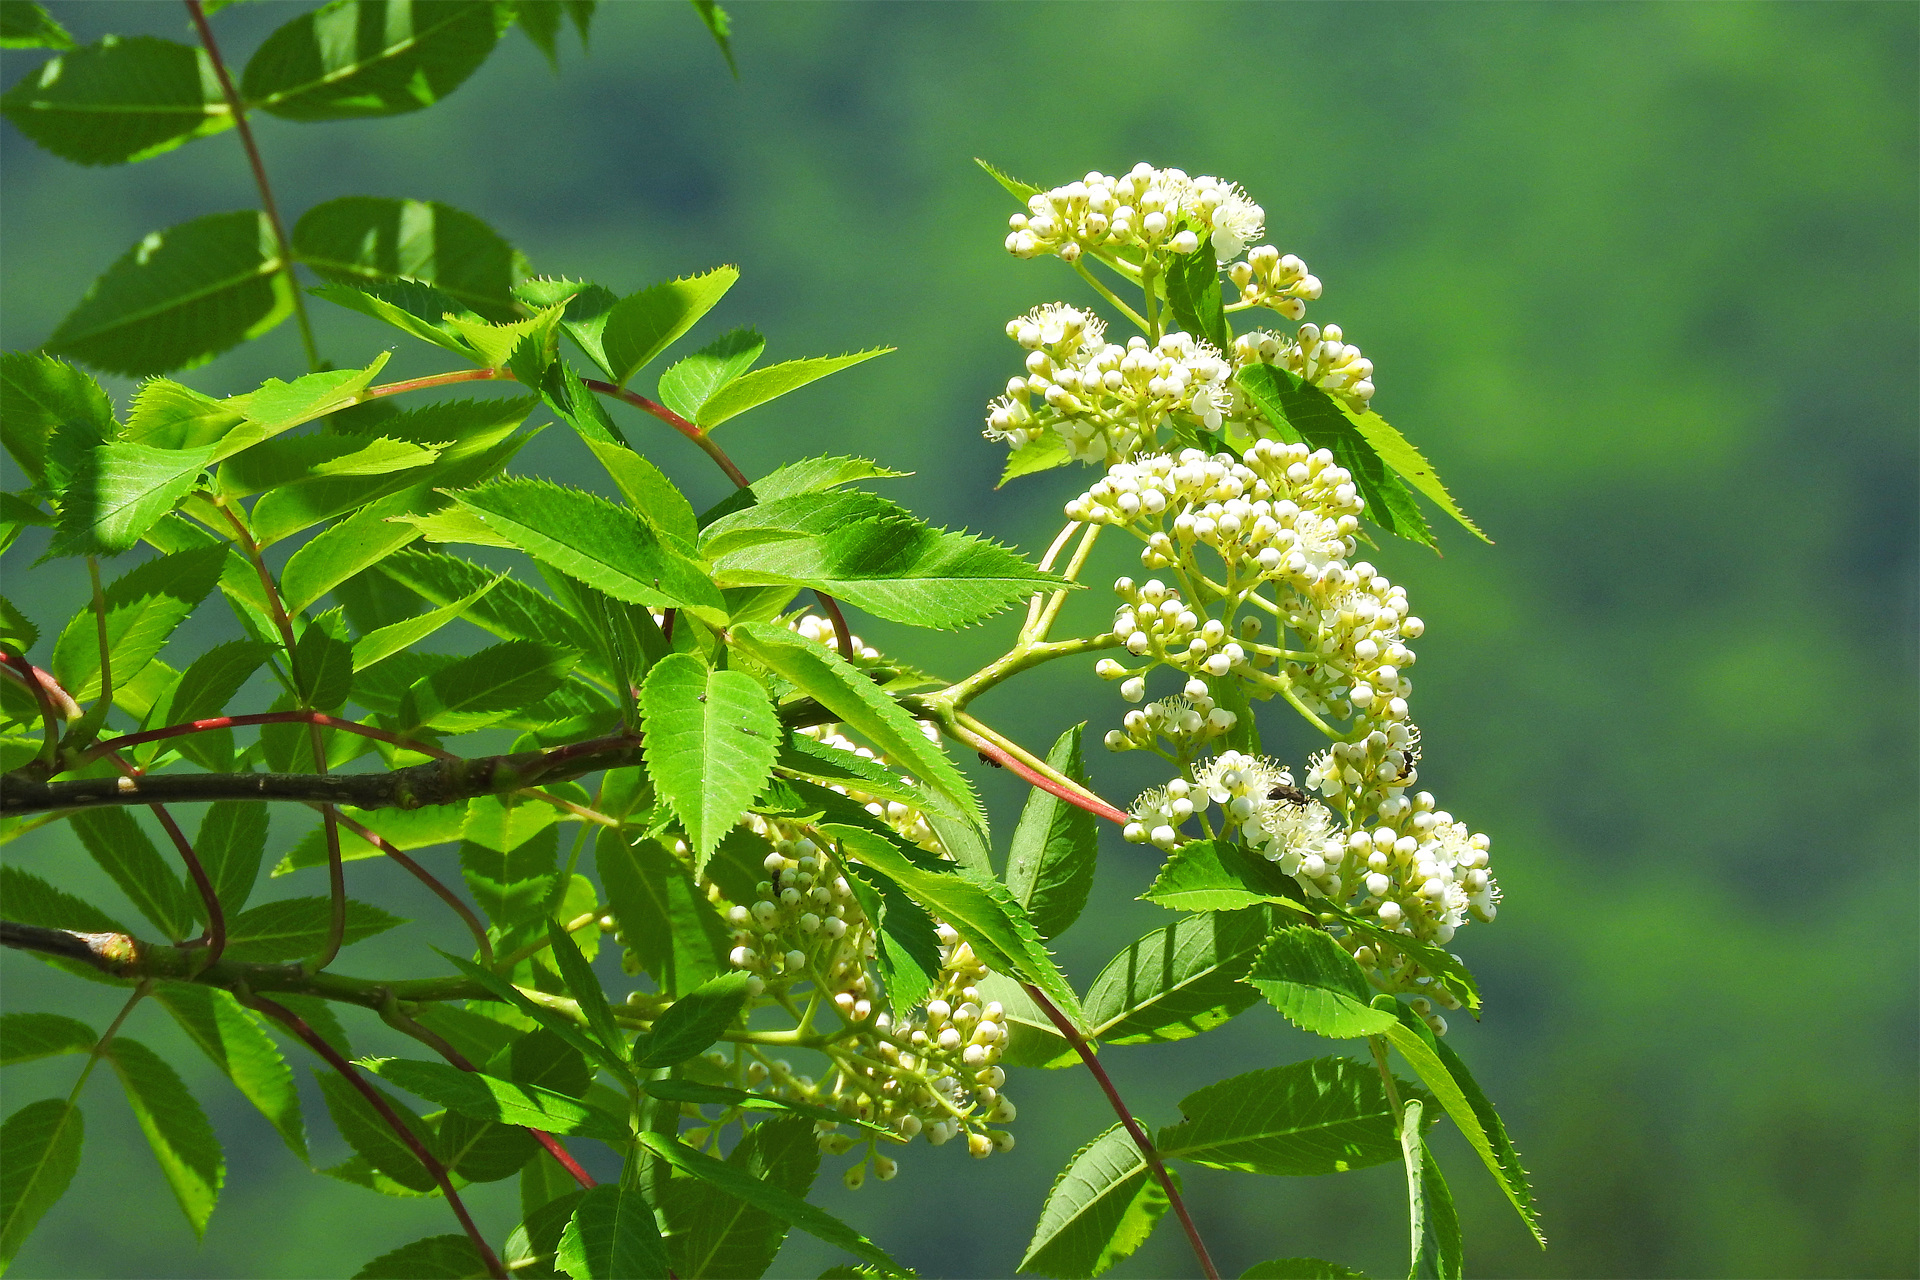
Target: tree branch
point(129, 959)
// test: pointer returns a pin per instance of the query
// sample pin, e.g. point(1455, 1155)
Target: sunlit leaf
point(352, 59)
point(1102, 1207)
point(176, 1128)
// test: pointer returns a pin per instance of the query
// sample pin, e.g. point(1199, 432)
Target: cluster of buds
point(1102, 399)
point(1145, 212)
point(1279, 282)
point(1322, 357)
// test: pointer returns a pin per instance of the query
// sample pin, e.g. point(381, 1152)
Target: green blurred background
point(1641, 279)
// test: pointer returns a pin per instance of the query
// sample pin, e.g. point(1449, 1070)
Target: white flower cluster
point(1146, 211)
point(1104, 399)
point(932, 1071)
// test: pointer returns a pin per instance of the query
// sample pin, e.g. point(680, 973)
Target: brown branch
point(378, 1102)
point(412, 787)
point(1073, 1037)
point(320, 718)
point(129, 959)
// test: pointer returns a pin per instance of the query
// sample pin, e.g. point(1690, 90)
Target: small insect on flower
point(1287, 793)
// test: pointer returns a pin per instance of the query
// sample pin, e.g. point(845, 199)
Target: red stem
point(314, 1041)
point(1073, 1037)
point(320, 718)
point(1092, 804)
point(30, 675)
point(439, 1045)
point(427, 878)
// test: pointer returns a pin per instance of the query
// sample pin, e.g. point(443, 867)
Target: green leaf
point(670, 1089)
point(375, 240)
point(231, 1035)
point(808, 475)
point(26, 1036)
point(1300, 1269)
point(754, 389)
point(1292, 404)
point(1218, 875)
point(124, 852)
point(980, 910)
point(720, 26)
point(1312, 979)
point(510, 858)
point(462, 432)
point(1021, 191)
point(642, 325)
point(693, 1022)
point(527, 347)
point(407, 305)
point(396, 637)
point(1442, 1071)
point(1042, 453)
point(723, 1237)
point(290, 459)
point(586, 989)
point(512, 610)
point(485, 687)
point(353, 59)
point(1032, 1038)
point(1436, 1250)
point(648, 491)
point(854, 700)
point(831, 766)
point(606, 547)
point(810, 515)
point(1050, 862)
point(908, 956)
point(143, 607)
point(126, 98)
point(554, 1022)
point(26, 898)
point(201, 693)
point(38, 394)
point(691, 382)
point(1102, 1207)
point(448, 1257)
point(612, 1234)
point(368, 1133)
point(39, 1152)
point(1325, 1115)
point(587, 308)
point(673, 930)
point(294, 928)
point(180, 297)
point(774, 1200)
point(711, 741)
point(1178, 981)
point(323, 663)
point(359, 542)
point(540, 21)
point(232, 840)
point(896, 568)
point(175, 1126)
point(486, 1097)
point(1398, 452)
point(1193, 291)
point(167, 415)
point(119, 492)
point(25, 25)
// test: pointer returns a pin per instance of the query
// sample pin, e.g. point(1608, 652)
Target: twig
point(238, 110)
point(1073, 1037)
point(433, 882)
point(318, 1044)
point(1010, 756)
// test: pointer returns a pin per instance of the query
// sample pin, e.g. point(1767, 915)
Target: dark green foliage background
point(1641, 279)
